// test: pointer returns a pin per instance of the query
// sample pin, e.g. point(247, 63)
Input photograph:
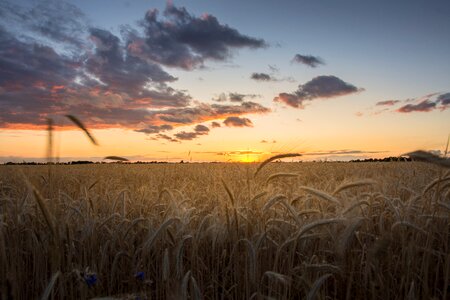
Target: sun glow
point(248, 158)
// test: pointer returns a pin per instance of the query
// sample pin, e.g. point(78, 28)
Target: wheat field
point(218, 231)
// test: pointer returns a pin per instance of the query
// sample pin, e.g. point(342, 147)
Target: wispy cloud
point(387, 103)
point(238, 122)
point(234, 97)
point(423, 106)
point(427, 103)
point(150, 129)
point(308, 60)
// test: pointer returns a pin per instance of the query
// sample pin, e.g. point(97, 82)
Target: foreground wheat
point(216, 231)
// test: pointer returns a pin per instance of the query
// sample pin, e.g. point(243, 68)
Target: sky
point(224, 80)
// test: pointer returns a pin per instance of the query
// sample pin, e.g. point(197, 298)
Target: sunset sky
point(224, 80)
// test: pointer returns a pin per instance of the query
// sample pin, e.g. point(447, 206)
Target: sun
point(248, 158)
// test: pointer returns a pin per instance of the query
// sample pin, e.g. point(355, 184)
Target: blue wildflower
point(140, 275)
point(90, 279)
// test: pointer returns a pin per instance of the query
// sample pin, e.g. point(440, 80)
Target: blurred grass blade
point(315, 287)
point(49, 288)
point(274, 158)
point(50, 140)
point(82, 127)
point(428, 157)
point(116, 158)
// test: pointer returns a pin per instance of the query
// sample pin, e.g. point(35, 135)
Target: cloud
point(198, 131)
point(273, 68)
point(204, 112)
point(387, 103)
point(150, 129)
point(183, 40)
point(201, 129)
point(318, 87)
point(444, 99)
point(264, 142)
point(108, 82)
point(423, 106)
point(122, 72)
point(215, 124)
point(166, 137)
point(261, 77)
point(187, 136)
point(234, 97)
point(107, 88)
point(427, 103)
point(309, 60)
point(289, 99)
point(238, 122)
point(54, 20)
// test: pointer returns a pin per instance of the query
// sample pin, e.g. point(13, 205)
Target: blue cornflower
point(90, 279)
point(140, 275)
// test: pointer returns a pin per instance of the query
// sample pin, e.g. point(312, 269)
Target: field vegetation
point(225, 231)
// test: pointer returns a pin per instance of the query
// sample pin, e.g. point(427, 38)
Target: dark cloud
point(290, 99)
point(122, 72)
point(55, 20)
point(444, 99)
point(30, 64)
point(318, 87)
point(116, 90)
point(423, 106)
point(166, 137)
point(234, 97)
point(274, 69)
point(309, 60)
point(150, 129)
point(109, 82)
point(187, 136)
point(387, 103)
point(427, 103)
point(238, 122)
point(215, 124)
point(182, 40)
point(261, 77)
point(31, 78)
point(263, 142)
point(204, 112)
point(201, 129)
